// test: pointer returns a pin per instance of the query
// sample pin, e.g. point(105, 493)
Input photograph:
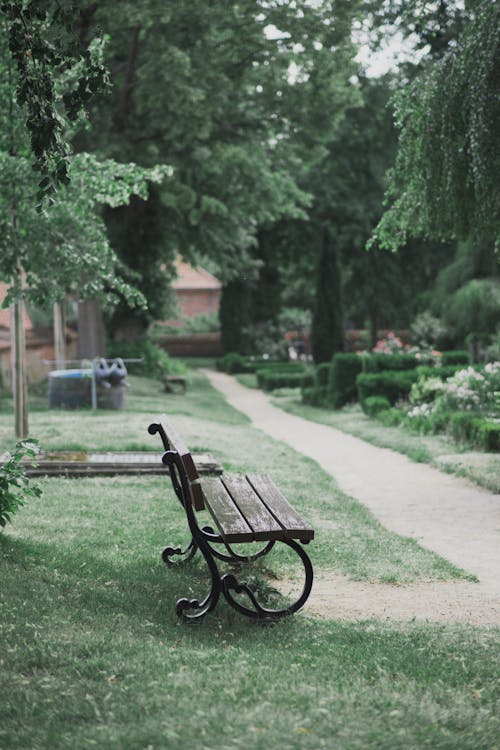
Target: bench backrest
point(172, 441)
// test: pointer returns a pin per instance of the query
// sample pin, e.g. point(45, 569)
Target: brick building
point(196, 290)
point(39, 345)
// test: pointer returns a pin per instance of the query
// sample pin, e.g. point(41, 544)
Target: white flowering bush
point(473, 390)
point(466, 390)
point(426, 390)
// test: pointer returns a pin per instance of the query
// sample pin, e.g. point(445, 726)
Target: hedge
point(375, 404)
point(383, 362)
point(443, 372)
point(271, 378)
point(235, 364)
point(312, 396)
point(466, 427)
point(393, 384)
point(457, 357)
point(344, 369)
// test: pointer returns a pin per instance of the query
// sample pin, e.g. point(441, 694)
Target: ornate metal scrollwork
point(230, 583)
point(184, 554)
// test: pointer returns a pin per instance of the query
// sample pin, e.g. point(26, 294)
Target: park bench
point(172, 383)
point(245, 508)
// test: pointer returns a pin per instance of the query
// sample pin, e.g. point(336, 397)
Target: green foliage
point(381, 362)
point(457, 357)
point(392, 384)
point(344, 370)
point(427, 331)
point(45, 50)
point(152, 357)
point(475, 309)
point(15, 487)
point(234, 363)
point(445, 180)
point(281, 375)
point(390, 417)
point(443, 372)
point(375, 404)
point(235, 121)
point(314, 385)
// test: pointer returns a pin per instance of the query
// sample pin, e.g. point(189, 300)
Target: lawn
point(94, 656)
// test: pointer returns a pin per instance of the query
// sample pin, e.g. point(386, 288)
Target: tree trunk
point(327, 331)
point(18, 357)
point(90, 330)
point(59, 338)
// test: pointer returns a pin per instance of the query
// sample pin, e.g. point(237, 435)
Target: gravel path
point(451, 516)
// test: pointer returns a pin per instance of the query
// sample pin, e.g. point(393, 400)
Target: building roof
point(193, 278)
point(5, 312)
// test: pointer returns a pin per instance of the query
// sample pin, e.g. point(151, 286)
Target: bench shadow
point(142, 590)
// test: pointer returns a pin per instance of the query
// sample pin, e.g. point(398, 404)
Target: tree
point(60, 244)
point(212, 91)
point(444, 184)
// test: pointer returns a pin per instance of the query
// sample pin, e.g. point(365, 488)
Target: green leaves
point(42, 54)
point(15, 486)
point(445, 181)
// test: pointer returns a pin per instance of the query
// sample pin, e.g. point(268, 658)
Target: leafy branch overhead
point(43, 47)
point(444, 184)
point(71, 235)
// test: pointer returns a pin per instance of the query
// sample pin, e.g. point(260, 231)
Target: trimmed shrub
point(460, 426)
point(390, 417)
point(308, 380)
point(382, 362)
point(280, 375)
point(391, 384)
point(446, 371)
point(375, 404)
point(344, 369)
point(311, 396)
point(269, 380)
point(234, 363)
point(467, 427)
point(486, 435)
point(457, 357)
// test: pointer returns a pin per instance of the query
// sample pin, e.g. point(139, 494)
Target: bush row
point(284, 375)
point(464, 427)
point(336, 383)
point(236, 364)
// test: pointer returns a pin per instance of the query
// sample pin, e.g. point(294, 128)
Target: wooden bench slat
point(230, 522)
point(177, 444)
point(256, 514)
point(296, 527)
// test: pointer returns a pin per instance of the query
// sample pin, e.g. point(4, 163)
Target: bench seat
point(248, 508)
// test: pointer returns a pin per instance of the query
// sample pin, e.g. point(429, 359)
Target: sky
point(396, 50)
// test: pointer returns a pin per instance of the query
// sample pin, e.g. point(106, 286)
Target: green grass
point(349, 538)
point(437, 450)
point(94, 656)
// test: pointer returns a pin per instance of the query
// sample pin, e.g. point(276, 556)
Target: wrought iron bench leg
point(258, 612)
point(192, 610)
